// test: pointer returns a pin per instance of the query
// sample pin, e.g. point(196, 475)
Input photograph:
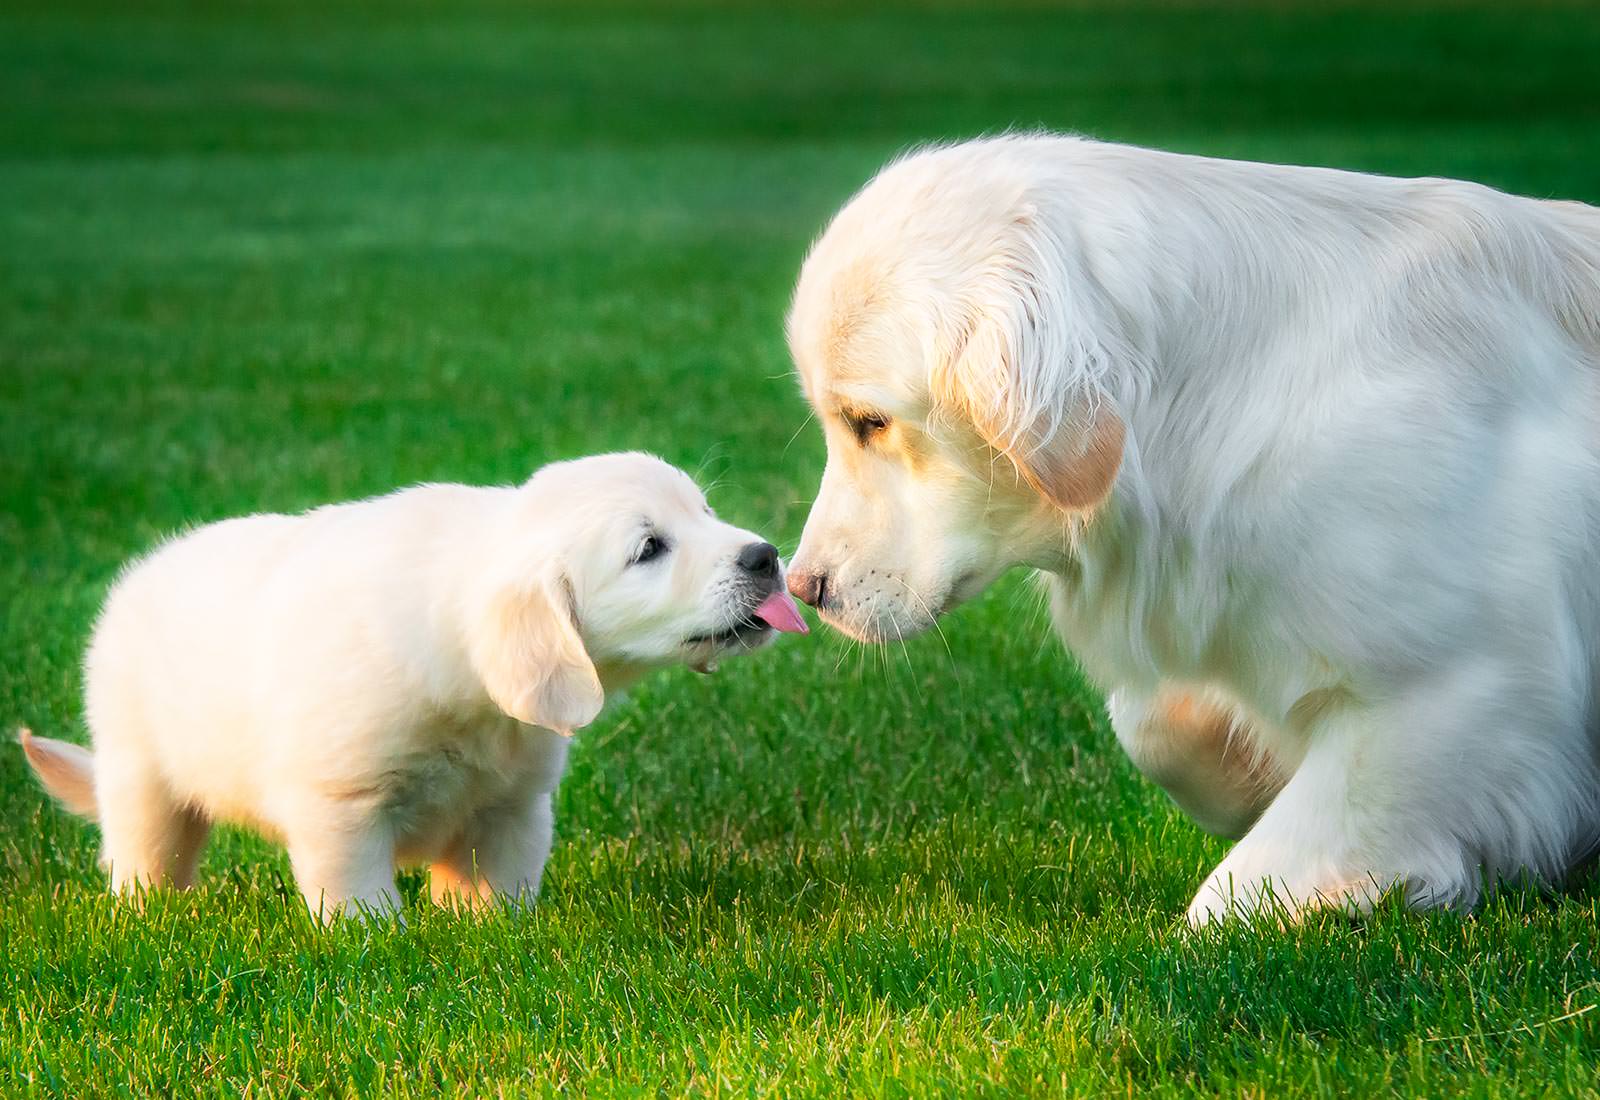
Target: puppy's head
point(615, 565)
point(954, 347)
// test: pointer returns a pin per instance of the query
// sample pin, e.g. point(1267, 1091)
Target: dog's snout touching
point(759, 558)
point(809, 586)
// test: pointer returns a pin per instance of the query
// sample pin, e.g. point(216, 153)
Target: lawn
point(262, 256)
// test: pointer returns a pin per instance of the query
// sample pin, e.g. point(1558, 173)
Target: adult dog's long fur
point(1310, 459)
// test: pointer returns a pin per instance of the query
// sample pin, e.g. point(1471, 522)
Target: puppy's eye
point(866, 425)
point(651, 548)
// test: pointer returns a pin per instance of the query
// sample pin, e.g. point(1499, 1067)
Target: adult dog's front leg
point(1201, 751)
point(1462, 780)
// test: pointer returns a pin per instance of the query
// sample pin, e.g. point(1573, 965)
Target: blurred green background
point(261, 256)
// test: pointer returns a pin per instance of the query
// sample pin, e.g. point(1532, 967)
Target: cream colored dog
point(1310, 461)
point(391, 681)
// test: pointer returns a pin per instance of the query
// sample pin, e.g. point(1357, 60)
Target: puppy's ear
point(533, 662)
point(1026, 367)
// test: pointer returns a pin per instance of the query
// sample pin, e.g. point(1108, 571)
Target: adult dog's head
point(955, 347)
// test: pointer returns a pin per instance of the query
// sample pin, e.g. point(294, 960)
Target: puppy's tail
point(67, 771)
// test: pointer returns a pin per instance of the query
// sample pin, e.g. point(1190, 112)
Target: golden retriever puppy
point(1309, 460)
point(393, 681)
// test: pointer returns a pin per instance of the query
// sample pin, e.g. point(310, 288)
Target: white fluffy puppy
point(391, 681)
point(1310, 461)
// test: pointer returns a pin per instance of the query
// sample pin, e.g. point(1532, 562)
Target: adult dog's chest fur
point(453, 773)
point(1134, 626)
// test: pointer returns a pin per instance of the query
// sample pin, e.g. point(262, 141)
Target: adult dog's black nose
point(809, 586)
point(760, 558)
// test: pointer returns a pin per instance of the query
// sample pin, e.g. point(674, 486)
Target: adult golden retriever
point(1309, 459)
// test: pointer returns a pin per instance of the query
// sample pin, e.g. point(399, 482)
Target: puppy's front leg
point(343, 859)
point(501, 858)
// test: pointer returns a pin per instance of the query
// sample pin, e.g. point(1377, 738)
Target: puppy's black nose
point(809, 586)
point(760, 558)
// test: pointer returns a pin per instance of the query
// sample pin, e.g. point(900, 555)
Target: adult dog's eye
point(651, 548)
point(866, 425)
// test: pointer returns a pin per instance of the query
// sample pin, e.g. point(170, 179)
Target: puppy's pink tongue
point(779, 612)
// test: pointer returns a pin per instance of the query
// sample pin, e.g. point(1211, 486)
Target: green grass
point(263, 256)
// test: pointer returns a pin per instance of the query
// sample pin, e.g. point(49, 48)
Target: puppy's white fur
point(1310, 460)
point(389, 681)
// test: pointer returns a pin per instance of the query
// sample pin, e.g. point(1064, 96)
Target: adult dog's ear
point(532, 661)
point(1026, 367)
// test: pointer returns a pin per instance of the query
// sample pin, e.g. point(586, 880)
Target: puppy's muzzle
point(759, 559)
